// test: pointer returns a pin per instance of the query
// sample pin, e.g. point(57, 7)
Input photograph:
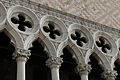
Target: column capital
point(109, 75)
point(83, 69)
point(54, 62)
point(21, 54)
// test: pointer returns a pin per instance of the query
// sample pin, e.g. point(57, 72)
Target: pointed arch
point(36, 65)
point(7, 64)
point(47, 43)
point(97, 68)
point(14, 36)
point(116, 67)
point(67, 69)
point(77, 53)
point(101, 57)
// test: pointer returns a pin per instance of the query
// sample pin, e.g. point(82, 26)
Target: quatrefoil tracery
point(80, 40)
point(22, 22)
point(50, 28)
point(103, 44)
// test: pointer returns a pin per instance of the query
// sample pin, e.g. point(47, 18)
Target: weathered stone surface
point(96, 10)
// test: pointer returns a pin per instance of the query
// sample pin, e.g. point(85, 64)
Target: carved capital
point(109, 75)
point(54, 62)
point(83, 69)
point(21, 54)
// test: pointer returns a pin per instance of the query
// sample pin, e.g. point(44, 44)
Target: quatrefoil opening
point(53, 28)
point(23, 20)
point(79, 38)
point(50, 29)
point(103, 44)
point(20, 19)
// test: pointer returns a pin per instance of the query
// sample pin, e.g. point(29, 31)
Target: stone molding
point(54, 62)
point(43, 10)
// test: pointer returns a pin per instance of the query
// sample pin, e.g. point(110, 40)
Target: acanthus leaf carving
point(54, 62)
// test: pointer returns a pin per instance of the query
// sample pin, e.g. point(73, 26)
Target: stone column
point(21, 56)
point(109, 75)
point(83, 70)
point(54, 63)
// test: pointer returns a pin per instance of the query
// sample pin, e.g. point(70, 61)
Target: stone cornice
point(41, 9)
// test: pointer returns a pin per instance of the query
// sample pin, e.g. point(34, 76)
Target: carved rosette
point(54, 62)
point(109, 75)
point(21, 54)
point(83, 69)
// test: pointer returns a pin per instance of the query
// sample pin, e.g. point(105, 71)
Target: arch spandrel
point(101, 57)
point(15, 37)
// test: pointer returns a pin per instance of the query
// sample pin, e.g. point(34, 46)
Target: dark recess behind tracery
point(95, 73)
point(67, 69)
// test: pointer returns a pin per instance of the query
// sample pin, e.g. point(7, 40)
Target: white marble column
point(83, 70)
point(21, 56)
point(54, 63)
point(109, 75)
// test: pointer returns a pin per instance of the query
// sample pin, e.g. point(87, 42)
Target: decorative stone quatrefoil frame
point(53, 28)
point(108, 41)
point(83, 33)
point(22, 20)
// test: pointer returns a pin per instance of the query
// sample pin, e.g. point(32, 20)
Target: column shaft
point(55, 73)
point(54, 63)
point(84, 77)
point(83, 70)
point(20, 70)
point(21, 56)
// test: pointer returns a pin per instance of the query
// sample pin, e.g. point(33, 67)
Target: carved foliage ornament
point(21, 53)
point(83, 68)
point(109, 75)
point(54, 62)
